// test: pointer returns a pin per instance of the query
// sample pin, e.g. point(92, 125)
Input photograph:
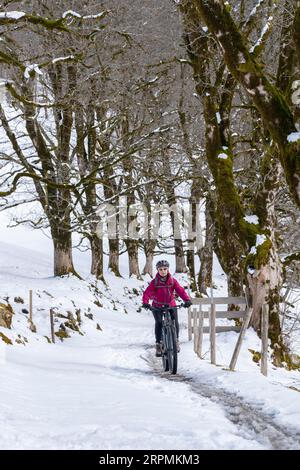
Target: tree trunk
point(266, 283)
point(190, 261)
point(113, 260)
point(228, 208)
point(206, 252)
point(63, 261)
point(235, 235)
point(192, 234)
point(265, 288)
point(132, 249)
point(97, 257)
point(296, 31)
point(179, 257)
point(205, 273)
point(180, 266)
point(235, 282)
point(149, 246)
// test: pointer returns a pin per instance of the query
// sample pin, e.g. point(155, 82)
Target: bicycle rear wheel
point(172, 350)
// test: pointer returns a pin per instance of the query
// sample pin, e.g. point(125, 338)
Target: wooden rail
point(220, 300)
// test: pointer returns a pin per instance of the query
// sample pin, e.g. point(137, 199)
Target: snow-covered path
point(97, 391)
point(101, 394)
point(105, 398)
point(251, 420)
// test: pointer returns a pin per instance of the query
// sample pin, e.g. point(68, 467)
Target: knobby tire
point(172, 350)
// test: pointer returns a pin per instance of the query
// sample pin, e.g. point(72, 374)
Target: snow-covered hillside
point(104, 389)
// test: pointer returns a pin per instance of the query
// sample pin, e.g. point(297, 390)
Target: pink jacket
point(163, 293)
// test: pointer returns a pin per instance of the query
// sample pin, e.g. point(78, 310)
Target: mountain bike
point(169, 339)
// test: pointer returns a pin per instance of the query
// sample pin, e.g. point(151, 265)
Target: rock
point(62, 327)
point(89, 315)
point(296, 359)
point(21, 340)
point(78, 315)
point(6, 313)
point(60, 315)
point(32, 326)
point(5, 339)
point(72, 322)
point(62, 332)
point(256, 355)
point(18, 300)
point(47, 293)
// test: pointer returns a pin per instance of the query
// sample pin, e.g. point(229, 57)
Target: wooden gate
point(203, 308)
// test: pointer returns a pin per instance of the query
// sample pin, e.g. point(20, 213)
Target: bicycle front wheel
point(165, 357)
point(172, 350)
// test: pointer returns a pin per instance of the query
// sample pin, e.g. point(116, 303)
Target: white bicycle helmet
point(162, 264)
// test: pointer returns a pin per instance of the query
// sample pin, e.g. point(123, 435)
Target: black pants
point(158, 323)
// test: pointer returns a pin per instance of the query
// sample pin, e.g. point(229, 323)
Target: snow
point(293, 137)
point(98, 15)
point(59, 59)
point(262, 91)
point(250, 91)
point(15, 15)
point(77, 15)
point(251, 269)
point(223, 156)
point(260, 239)
point(31, 67)
point(252, 219)
point(71, 13)
point(248, 78)
point(253, 11)
point(105, 389)
point(263, 33)
point(154, 79)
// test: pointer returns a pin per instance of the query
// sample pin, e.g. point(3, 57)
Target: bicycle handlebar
point(166, 307)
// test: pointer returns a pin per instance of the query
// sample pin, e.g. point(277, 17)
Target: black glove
point(146, 306)
point(187, 304)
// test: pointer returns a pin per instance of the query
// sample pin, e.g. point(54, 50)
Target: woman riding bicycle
point(161, 291)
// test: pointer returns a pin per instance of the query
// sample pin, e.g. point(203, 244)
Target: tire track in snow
point(251, 421)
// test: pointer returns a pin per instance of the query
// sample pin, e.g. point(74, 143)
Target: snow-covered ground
point(104, 389)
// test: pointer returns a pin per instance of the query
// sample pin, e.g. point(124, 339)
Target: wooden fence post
point(264, 339)
point(190, 323)
point(32, 326)
point(200, 333)
point(52, 325)
point(240, 339)
point(212, 333)
point(195, 329)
